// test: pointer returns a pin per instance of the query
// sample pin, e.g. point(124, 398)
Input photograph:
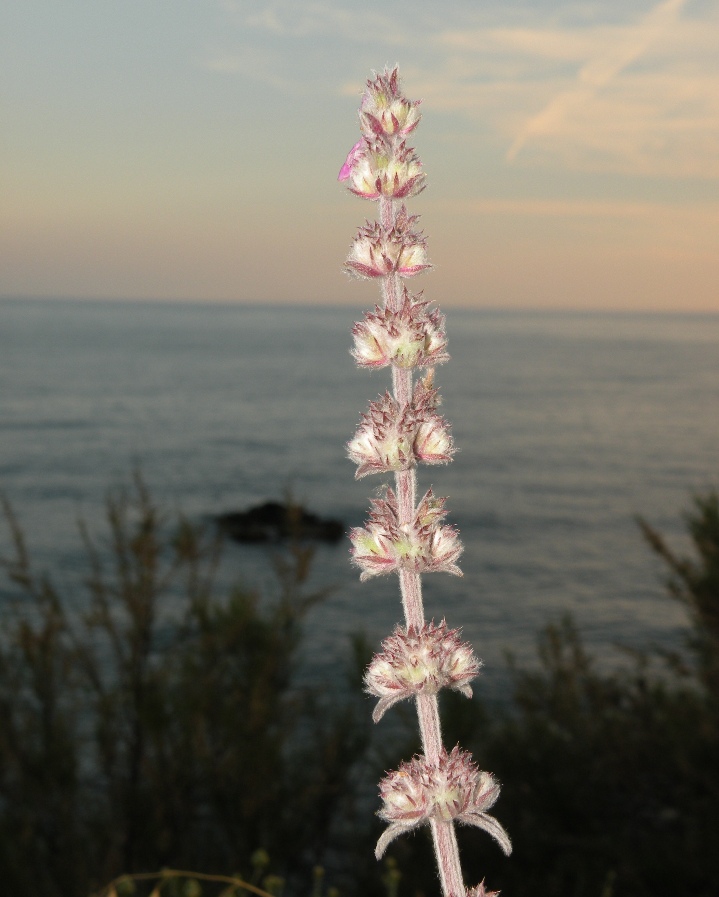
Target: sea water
point(567, 426)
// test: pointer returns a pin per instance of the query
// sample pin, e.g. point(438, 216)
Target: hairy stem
point(429, 726)
point(410, 586)
point(391, 284)
point(445, 846)
point(443, 834)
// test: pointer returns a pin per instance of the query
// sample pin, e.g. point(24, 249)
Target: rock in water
point(274, 521)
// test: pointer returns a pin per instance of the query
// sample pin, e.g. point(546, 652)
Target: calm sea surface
point(567, 425)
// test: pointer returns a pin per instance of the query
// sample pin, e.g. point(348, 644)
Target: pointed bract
point(479, 891)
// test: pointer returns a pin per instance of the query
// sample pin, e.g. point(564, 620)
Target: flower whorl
point(373, 171)
point(452, 788)
point(377, 252)
point(412, 337)
point(421, 661)
point(423, 546)
point(384, 109)
point(391, 437)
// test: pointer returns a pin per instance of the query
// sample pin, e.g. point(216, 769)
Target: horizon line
point(281, 304)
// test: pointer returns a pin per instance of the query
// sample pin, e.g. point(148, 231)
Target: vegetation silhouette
point(612, 778)
point(164, 727)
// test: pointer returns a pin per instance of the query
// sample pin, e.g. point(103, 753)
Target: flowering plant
point(399, 431)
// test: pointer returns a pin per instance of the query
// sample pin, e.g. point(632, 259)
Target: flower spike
point(400, 430)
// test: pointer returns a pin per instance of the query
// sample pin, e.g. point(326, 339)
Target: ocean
point(567, 425)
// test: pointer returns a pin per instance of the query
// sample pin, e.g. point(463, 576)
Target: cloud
point(638, 97)
point(595, 88)
point(261, 65)
point(288, 18)
point(599, 71)
point(706, 214)
point(560, 208)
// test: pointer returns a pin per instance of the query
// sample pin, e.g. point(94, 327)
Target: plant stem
point(447, 852)
point(429, 725)
point(443, 834)
point(391, 283)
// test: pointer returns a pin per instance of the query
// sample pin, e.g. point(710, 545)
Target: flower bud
point(432, 443)
point(432, 440)
point(384, 112)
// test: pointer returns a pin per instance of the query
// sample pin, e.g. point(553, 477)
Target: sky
point(189, 149)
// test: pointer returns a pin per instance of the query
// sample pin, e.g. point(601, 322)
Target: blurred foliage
point(611, 779)
point(162, 726)
point(134, 739)
point(179, 883)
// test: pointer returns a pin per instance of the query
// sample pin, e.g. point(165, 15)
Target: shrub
point(163, 725)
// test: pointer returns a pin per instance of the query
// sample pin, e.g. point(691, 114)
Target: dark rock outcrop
point(274, 521)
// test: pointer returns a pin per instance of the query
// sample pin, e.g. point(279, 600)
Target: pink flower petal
point(352, 156)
